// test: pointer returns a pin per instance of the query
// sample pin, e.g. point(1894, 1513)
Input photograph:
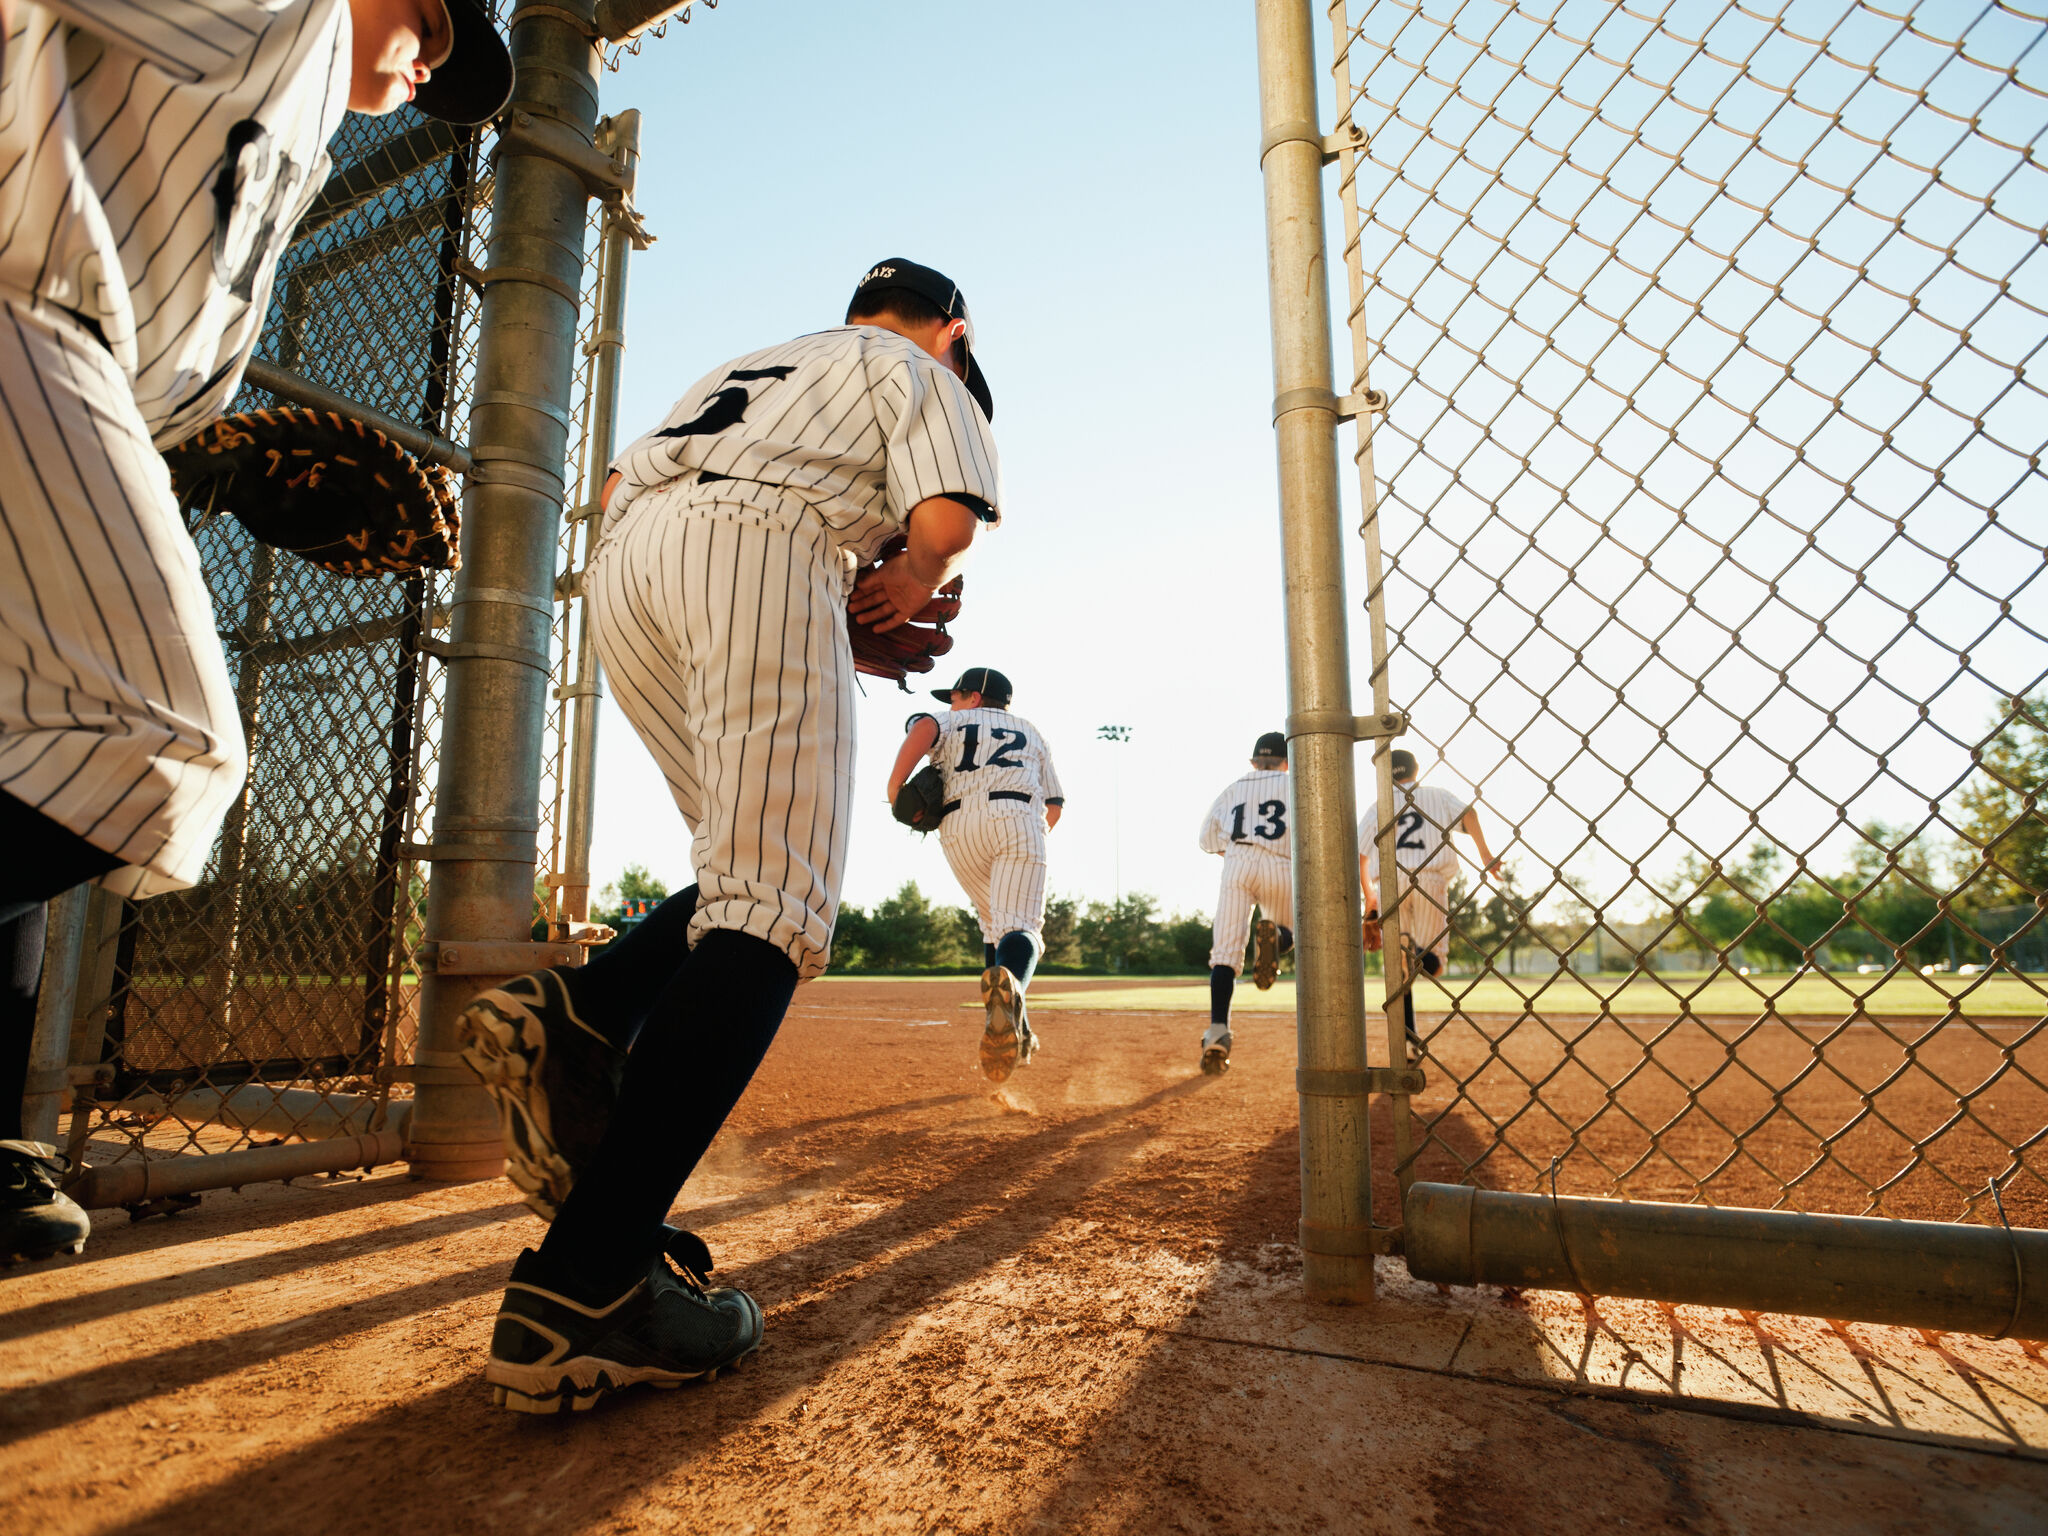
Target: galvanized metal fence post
point(618, 137)
point(480, 900)
point(1336, 1149)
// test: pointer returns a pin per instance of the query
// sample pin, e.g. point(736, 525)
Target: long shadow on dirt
point(454, 1462)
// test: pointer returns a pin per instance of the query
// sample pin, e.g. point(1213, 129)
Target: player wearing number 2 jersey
point(1425, 816)
point(1248, 826)
point(1002, 795)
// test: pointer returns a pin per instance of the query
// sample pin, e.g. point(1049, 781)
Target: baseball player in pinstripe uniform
point(1248, 826)
point(719, 597)
point(154, 159)
point(1425, 816)
point(1002, 795)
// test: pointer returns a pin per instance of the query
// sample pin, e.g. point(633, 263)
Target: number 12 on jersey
point(1008, 744)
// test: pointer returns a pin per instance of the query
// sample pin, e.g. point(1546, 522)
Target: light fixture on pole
point(1116, 733)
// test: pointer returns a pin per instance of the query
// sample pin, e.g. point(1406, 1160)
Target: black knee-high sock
point(1222, 982)
point(616, 990)
point(21, 969)
point(1018, 955)
point(988, 957)
point(1286, 939)
point(702, 1042)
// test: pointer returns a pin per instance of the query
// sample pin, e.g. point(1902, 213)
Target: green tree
point(907, 932)
point(636, 883)
point(1062, 913)
point(1125, 935)
point(2004, 823)
point(1190, 935)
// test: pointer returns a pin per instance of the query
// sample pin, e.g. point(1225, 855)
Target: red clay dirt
point(1071, 1306)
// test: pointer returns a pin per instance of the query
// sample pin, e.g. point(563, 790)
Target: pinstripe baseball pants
point(997, 851)
point(117, 716)
point(723, 635)
point(1425, 905)
point(1251, 877)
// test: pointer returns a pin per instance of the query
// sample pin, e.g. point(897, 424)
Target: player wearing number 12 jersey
point(1248, 826)
point(1002, 795)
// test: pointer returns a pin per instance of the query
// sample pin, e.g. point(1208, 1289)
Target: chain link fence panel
point(1698, 361)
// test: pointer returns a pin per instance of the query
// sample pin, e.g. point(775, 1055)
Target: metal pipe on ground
point(1909, 1274)
point(1336, 1150)
point(136, 1180)
point(277, 1111)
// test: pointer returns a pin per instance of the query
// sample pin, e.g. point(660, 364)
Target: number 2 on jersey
point(1409, 823)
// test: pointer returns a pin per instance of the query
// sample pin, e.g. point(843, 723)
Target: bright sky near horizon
point(1094, 188)
point(1093, 185)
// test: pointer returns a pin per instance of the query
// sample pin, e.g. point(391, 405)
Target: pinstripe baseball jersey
point(154, 159)
point(1424, 818)
point(1252, 813)
point(856, 423)
point(984, 751)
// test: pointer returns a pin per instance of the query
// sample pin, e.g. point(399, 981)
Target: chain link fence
point(1697, 357)
point(279, 996)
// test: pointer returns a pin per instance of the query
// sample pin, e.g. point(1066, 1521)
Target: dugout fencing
point(268, 1022)
point(1701, 524)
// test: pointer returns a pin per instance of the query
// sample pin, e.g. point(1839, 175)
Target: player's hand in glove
point(895, 624)
point(325, 487)
point(1370, 933)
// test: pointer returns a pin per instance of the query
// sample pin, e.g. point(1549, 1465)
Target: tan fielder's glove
point(1371, 931)
point(912, 645)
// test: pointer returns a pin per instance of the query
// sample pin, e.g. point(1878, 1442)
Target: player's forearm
point(1471, 825)
point(941, 531)
point(1365, 883)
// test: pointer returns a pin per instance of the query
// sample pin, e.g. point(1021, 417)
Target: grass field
point(1566, 994)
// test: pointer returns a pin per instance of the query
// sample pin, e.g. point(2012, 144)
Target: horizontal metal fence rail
point(1697, 372)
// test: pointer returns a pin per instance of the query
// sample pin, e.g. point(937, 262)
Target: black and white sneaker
point(551, 1353)
point(1027, 1037)
point(37, 1219)
point(1216, 1050)
point(1416, 1050)
point(1003, 1027)
point(553, 1078)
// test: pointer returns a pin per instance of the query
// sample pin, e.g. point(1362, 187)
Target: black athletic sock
point(1018, 955)
point(1222, 982)
point(1286, 939)
point(44, 859)
point(988, 957)
point(21, 968)
point(616, 990)
point(702, 1043)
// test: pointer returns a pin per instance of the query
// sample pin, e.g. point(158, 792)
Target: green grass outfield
point(1564, 995)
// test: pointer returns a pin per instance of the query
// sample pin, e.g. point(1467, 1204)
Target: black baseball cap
point(473, 83)
point(986, 681)
point(1272, 744)
point(929, 283)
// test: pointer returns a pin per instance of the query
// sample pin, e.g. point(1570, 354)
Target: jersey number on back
point(1410, 825)
point(1272, 828)
point(1008, 744)
point(727, 408)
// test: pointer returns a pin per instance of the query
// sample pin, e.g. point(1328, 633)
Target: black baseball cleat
point(1003, 1029)
point(37, 1219)
point(1266, 961)
point(553, 1078)
point(553, 1354)
point(1416, 1050)
point(1216, 1050)
point(1028, 1042)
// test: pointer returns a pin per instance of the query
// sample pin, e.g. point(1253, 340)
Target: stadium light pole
point(1336, 1234)
point(1121, 734)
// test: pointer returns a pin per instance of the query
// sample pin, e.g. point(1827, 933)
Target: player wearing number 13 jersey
point(1002, 795)
point(1248, 826)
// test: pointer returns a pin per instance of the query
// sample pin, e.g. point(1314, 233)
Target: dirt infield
point(1070, 1307)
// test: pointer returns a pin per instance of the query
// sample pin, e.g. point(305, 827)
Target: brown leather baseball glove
point(912, 646)
point(1370, 931)
point(323, 486)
